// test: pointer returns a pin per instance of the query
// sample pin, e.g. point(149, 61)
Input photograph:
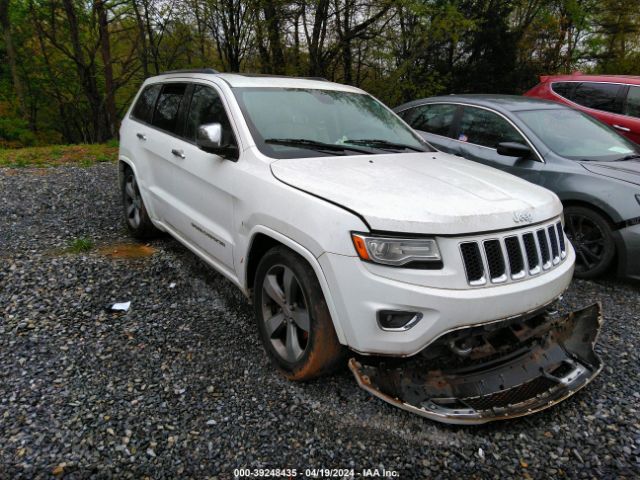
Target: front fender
point(311, 259)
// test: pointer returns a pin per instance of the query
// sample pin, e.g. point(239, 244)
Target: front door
point(478, 134)
point(206, 181)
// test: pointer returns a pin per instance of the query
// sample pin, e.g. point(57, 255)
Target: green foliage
point(53, 155)
point(80, 245)
point(74, 78)
point(15, 132)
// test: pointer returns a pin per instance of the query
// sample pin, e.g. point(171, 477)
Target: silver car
point(594, 170)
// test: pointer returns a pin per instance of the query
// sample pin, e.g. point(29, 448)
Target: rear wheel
point(591, 236)
point(293, 319)
point(135, 213)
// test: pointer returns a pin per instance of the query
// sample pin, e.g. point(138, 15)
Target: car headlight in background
point(638, 197)
point(398, 251)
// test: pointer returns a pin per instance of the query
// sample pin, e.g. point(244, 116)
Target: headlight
point(638, 197)
point(397, 251)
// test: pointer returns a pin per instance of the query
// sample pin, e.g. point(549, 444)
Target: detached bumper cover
point(493, 372)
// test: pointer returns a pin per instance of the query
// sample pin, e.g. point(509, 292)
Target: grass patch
point(84, 155)
point(80, 244)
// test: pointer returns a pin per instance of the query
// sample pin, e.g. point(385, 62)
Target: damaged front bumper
point(492, 372)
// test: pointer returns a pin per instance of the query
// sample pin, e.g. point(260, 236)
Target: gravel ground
point(180, 386)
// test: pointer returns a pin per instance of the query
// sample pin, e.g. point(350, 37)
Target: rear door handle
point(141, 136)
point(178, 153)
point(622, 129)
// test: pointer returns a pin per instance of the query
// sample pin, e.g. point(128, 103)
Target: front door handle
point(178, 153)
point(622, 129)
point(141, 136)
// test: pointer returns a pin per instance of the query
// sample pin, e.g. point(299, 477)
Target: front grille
point(511, 396)
point(498, 260)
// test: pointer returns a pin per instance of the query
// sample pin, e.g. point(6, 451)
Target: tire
point(135, 212)
point(296, 329)
point(591, 236)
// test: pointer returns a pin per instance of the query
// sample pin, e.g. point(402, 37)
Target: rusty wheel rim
point(285, 313)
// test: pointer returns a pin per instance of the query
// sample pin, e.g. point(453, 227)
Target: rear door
point(134, 134)
point(478, 133)
point(158, 139)
point(608, 103)
point(434, 122)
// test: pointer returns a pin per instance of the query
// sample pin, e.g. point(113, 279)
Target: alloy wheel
point(133, 201)
point(589, 241)
point(285, 313)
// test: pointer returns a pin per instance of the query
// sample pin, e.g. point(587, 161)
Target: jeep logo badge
point(522, 217)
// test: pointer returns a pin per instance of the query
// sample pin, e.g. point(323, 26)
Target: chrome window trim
point(551, 83)
point(193, 81)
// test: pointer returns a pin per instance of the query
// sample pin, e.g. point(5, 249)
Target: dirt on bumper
point(491, 372)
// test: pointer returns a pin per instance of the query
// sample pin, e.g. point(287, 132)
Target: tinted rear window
point(168, 106)
point(143, 109)
point(632, 106)
point(601, 96)
point(562, 88)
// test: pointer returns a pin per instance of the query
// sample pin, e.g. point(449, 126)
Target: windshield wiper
point(633, 156)
point(384, 144)
point(314, 145)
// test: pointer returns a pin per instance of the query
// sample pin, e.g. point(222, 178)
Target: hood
point(428, 193)
point(626, 170)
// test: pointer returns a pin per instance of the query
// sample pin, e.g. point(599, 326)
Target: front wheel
point(293, 319)
point(591, 236)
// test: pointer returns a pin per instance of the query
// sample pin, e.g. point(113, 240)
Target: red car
point(612, 99)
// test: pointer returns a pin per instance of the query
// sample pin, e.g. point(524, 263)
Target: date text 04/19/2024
point(342, 473)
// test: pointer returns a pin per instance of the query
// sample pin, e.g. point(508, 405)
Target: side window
point(206, 107)
point(165, 116)
point(486, 128)
point(601, 96)
point(562, 88)
point(435, 118)
point(632, 105)
point(143, 110)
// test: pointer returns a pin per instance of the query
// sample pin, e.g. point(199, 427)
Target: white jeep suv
point(350, 233)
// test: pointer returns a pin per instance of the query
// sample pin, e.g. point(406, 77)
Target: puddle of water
point(127, 250)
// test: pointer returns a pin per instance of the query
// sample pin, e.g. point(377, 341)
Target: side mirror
point(514, 149)
point(209, 139)
point(209, 136)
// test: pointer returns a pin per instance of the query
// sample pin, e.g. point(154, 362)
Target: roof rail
point(191, 70)
point(267, 75)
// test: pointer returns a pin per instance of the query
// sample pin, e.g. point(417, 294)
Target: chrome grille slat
point(494, 256)
point(543, 245)
point(473, 263)
point(513, 256)
point(555, 248)
point(563, 245)
point(533, 253)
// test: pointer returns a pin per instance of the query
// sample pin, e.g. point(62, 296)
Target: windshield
point(577, 136)
point(298, 123)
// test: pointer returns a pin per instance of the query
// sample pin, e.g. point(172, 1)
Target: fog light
point(395, 320)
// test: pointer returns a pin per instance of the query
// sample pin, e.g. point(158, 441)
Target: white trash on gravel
point(123, 306)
